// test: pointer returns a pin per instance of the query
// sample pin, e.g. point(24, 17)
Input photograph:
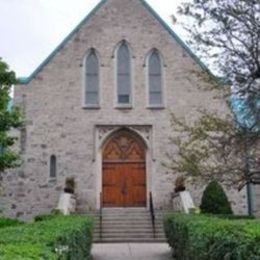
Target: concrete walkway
point(131, 251)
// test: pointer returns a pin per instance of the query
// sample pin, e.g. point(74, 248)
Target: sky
point(31, 29)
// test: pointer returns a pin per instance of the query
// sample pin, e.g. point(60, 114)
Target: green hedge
point(199, 237)
point(6, 222)
point(57, 238)
point(231, 216)
point(26, 251)
point(45, 217)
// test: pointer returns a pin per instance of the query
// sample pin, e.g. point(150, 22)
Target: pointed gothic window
point(92, 79)
point(123, 75)
point(53, 167)
point(155, 79)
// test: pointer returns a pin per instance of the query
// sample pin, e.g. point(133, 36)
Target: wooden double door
point(124, 171)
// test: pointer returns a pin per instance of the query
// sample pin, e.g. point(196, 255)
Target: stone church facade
point(98, 109)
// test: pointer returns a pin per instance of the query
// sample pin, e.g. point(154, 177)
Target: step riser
point(131, 223)
point(130, 233)
point(129, 228)
point(130, 220)
point(130, 236)
point(154, 240)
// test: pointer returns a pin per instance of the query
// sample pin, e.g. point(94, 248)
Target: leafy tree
point(228, 33)
point(9, 118)
point(214, 200)
point(211, 148)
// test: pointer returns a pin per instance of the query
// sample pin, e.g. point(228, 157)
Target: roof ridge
point(27, 80)
point(176, 37)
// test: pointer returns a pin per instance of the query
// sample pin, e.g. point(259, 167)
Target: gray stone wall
point(58, 124)
point(256, 187)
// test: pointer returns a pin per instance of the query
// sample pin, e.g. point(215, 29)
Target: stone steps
point(128, 225)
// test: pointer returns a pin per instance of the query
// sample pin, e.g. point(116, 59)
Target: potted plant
point(181, 199)
point(179, 184)
point(69, 185)
point(67, 200)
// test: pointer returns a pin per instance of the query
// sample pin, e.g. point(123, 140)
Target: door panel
point(112, 186)
point(124, 173)
point(135, 178)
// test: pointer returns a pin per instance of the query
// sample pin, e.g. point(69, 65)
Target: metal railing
point(151, 207)
point(100, 215)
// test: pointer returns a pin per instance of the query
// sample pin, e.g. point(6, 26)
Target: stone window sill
point(126, 106)
point(91, 106)
point(52, 181)
point(156, 107)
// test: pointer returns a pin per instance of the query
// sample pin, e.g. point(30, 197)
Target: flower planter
point(182, 202)
point(67, 203)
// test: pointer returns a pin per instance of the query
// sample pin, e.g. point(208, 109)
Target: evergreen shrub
point(214, 200)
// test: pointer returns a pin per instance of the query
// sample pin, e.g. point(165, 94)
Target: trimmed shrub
point(61, 237)
point(234, 217)
point(44, 217)
point(214, 200)
point(6, 222)
point(26, 252)
point(200, 237)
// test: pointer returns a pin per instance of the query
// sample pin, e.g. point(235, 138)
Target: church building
point(98, 109)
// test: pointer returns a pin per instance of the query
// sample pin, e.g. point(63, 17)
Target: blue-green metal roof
point(26, 80)
point(175, 36)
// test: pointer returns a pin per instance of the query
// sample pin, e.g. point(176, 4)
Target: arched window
point(123, 75)
point(53, 167)
point(155, 79)
point(92, 79)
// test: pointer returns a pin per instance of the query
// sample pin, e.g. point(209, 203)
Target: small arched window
point(123, 75)
point(155, 79)
point(53, 167)
point(92, 79)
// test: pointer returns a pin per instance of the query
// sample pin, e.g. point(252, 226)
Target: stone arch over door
point(124, 170)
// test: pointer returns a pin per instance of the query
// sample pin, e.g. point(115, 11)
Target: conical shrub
point(214, 200)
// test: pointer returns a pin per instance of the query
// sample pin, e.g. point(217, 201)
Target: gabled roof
point(27, 80)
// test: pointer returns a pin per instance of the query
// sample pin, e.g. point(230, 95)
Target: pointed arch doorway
point(124, 171)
